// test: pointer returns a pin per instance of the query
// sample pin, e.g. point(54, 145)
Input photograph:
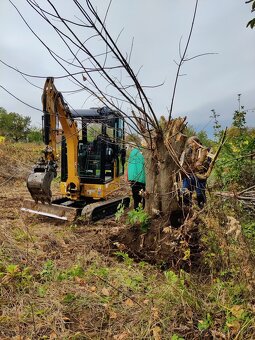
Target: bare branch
point(200, 55)
point(182, 60)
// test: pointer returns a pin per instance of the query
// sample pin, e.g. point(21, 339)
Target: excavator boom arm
point(55, 111)
point(55, 106)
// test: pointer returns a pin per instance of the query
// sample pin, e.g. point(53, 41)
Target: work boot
point(200, 201)
point(187, 199)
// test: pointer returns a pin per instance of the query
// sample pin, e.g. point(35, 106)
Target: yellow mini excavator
point(92, 160)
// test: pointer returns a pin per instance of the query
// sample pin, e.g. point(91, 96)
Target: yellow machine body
point(95, 191)
point(92, 162)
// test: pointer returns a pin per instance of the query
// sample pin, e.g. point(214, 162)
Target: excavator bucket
point(38, 184)
point(39, 181)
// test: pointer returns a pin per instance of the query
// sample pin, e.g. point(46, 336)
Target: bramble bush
point(235, 167)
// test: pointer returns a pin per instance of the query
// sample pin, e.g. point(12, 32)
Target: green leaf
point(12, 269)
point(176, 337)
point(171, 276)
point(206, 323)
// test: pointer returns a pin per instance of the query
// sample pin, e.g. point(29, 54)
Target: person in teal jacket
point(136, 175)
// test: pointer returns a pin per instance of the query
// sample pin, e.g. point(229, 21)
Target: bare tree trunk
point(162, 166)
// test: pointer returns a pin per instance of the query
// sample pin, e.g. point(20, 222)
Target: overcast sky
point(211, 82)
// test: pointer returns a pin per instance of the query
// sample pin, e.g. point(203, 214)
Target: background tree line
point(235, 168)
point(17, 128)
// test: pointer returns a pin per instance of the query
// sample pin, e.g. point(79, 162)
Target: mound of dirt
point(166, 246)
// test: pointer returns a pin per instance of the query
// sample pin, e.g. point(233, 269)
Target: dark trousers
point(190, 184)
point(136, 187)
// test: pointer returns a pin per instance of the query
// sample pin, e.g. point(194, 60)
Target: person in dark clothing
point(136, 176)
point(190, 184)
point(195, 161)
point(136, 189)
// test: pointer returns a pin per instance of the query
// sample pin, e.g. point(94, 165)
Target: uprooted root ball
point(162, 245)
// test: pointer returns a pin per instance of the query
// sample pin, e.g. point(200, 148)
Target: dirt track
point(37, 237)
point(51, 238)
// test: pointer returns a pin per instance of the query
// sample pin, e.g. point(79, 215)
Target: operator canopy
point(95, 113)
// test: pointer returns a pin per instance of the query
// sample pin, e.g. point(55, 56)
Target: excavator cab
point(101, 151)
point(92, 160)
point(100, 147)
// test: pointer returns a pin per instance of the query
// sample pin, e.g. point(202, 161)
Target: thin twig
point(182, 60)
point(118, 290)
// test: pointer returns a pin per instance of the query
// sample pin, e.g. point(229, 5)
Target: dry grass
point(59, 281)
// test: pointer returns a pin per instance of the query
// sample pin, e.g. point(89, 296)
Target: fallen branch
point(239, 195)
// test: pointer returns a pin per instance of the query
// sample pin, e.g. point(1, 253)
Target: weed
point(134, 282)
point(139, 218)
point(130, 279)
point(104, 299)
point(42, 291)
point(143, 264)
point(205, 323)
point(120, 211)
point(99, 271)
point(48, 270)
point(124, 256)
point(176, 337)
point(69, 298)
point(75, 271)
point(215, 256)
point(21, 277)
point(249, 230)
point(21, 235)
point(238, 292)
point(171, 277)
point(13, 270)
point(235, 317)
point(40, 312)
point(73, 226)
